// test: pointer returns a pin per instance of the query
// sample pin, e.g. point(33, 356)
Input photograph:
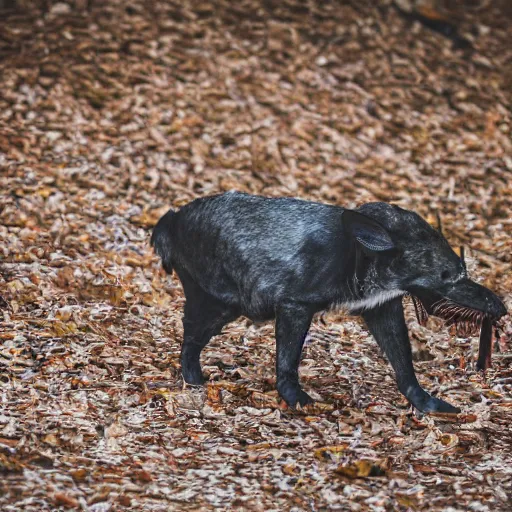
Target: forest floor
point(110, 116)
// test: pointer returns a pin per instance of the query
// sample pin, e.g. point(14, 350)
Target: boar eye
point(445, 275)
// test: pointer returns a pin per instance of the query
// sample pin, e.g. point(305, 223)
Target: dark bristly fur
point(286, 259)
point(161, 240)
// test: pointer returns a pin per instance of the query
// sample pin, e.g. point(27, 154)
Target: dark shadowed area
point(111, 112)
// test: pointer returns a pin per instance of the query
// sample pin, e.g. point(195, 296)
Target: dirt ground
point(111, 114)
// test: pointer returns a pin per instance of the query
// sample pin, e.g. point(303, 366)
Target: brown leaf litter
point(111, 112)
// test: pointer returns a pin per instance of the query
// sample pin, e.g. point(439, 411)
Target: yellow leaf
point(51, 439)
point(45, 192)
point(325, 452)
point(259, 446)
point(449, 439)
point(79, 474)
point(63, 328)
point(363, 468)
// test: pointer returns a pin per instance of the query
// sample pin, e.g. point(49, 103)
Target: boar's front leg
point(292, 325)
point(387, 325)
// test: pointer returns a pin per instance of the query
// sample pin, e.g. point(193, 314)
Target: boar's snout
point(472, 295)
point(499, 309)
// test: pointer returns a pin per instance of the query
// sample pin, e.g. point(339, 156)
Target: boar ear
point(368, 232)
point(462, 257)
point(439, 223)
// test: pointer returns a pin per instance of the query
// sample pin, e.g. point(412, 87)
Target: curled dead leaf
point(363, 468)
point(65, 500)
point(213, 394)
point(329, 452)
point(79, 475)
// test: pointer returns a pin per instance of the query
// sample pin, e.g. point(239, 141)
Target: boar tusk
point(485, 346)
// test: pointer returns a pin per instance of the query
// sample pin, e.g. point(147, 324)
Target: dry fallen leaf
point(327, 451)
point(362, 469)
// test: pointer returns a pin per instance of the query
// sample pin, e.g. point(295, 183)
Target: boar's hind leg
point(292, 325)
point(387, 325)
point(204, 317)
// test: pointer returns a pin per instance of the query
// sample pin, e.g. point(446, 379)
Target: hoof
point(440, 406)
point(426, 404)
point(293, 395)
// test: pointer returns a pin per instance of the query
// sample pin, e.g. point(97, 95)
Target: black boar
point(286, 259)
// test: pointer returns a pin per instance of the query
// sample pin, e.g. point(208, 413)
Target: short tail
point(161, 240)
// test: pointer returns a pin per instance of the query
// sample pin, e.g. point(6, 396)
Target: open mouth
point(467, 322)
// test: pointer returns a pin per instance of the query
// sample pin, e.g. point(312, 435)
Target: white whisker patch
point(372, 301)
